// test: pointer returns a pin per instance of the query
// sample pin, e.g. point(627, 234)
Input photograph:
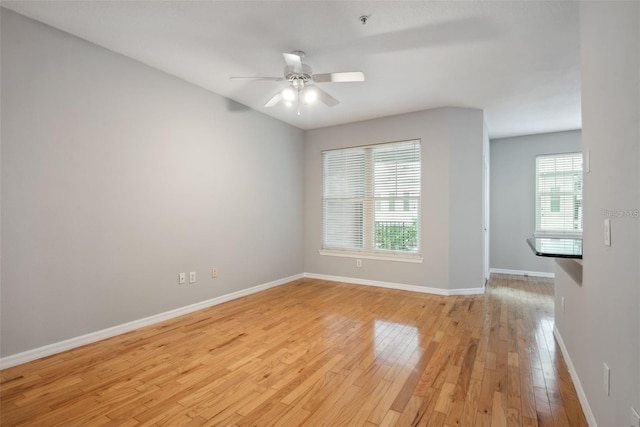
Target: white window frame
point(556, 192)
point(370, 204)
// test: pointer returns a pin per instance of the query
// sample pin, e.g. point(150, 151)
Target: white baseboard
point(412, 288)
point(47, 350)
point(522, 272)
point(576, 380)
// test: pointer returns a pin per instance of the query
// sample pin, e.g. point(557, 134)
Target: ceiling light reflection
point(395, 342)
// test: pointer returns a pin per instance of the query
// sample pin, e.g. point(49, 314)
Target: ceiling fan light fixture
point(310, 95)
point(299, 78)
point(288, 94)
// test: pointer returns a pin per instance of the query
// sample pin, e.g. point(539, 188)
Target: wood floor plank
point(315, 352)
point(390, 419)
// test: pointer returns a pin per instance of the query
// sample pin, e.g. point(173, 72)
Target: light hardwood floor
point(317, 353)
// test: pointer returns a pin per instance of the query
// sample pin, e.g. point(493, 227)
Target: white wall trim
point(48, 350)
point(576, 380)
point(522, 272)
point(400, 286)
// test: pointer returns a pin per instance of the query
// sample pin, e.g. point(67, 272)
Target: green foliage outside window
point(396, 236)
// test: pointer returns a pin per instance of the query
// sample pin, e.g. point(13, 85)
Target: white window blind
point(559, 194)
point(371, 199)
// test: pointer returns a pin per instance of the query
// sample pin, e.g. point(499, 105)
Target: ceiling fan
point(300, 78)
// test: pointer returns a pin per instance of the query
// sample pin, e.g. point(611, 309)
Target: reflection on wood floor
point(313, 352)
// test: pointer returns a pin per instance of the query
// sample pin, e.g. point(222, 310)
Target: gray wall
point(116, 177)
point(451, 203)
point(601, 319)
point(513, 167)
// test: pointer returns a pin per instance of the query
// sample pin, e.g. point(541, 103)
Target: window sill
point(551, 235)
point(412, 258)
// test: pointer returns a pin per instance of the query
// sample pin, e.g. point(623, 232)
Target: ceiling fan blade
point(271, 79)
point(293, 61)
point(274, 101)
point(323, 96)
point(343, 77)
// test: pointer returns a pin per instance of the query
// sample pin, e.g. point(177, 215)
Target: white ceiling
point(518, 61)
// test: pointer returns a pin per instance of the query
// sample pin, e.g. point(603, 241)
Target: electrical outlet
point(635, 418)
point(563, 304)
point(606, 379)
point(214, 272)
point(607, 232)
point(182, 278)
point(192, 277)
point(358, 263)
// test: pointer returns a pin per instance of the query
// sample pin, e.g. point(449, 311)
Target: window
point(559, 194)
point(555, 199)
point(406, 205)
point(362, 188)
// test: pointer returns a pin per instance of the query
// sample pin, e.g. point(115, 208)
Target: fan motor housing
point(290, 74)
